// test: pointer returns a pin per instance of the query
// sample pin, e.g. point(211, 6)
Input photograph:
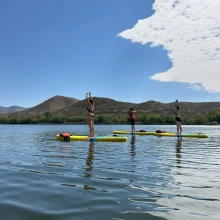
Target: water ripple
point(145, 178)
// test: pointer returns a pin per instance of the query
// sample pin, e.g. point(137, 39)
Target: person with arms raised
point(178, 119)
point(90, 109)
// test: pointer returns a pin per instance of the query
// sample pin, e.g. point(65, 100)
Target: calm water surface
point(146, 177)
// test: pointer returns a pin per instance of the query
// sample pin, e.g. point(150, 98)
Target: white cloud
point(196, 87)
point(190, 31)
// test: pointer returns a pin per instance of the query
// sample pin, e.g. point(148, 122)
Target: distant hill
point(66, 106)
point(50, 105)
point(14, 108)
point(110, 107)
point(102, 106)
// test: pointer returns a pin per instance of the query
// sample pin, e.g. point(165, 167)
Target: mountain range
point(66, 106)
point(14, 108)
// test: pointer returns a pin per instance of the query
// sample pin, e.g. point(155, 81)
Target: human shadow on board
point(178, 152)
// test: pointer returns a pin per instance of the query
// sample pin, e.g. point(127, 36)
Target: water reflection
point(178, 152)
point(89, 160)
point(133, 150)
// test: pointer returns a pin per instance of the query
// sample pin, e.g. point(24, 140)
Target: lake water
point(147, 177)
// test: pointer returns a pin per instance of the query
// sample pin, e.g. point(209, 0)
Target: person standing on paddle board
point(131, 112)
point(90, 110)
point(178, 119)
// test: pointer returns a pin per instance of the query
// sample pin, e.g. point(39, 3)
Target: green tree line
point(213, 117)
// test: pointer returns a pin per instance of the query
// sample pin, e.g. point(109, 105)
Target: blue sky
point(127, 50)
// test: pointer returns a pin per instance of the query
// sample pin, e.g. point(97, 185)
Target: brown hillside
point(111, 107)
point(102, 106)
point(50, 105)
point(186, 108)
point(65, 106)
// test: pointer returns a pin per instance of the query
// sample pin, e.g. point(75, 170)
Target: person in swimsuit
point(90, 110)
point(131, 112)
point(178, 119)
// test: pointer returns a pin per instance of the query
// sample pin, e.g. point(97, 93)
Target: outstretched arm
point(177, 103)
point(128, 111)
point(88, 96)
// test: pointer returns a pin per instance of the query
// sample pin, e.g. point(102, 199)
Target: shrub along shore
point(211, 118)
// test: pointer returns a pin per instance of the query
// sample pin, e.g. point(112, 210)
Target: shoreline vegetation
point(211, 118)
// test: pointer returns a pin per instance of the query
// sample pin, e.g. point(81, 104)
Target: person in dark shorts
point(178, 119)
point(132, 112)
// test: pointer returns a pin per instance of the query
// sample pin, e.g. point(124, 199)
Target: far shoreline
point(207, 124)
